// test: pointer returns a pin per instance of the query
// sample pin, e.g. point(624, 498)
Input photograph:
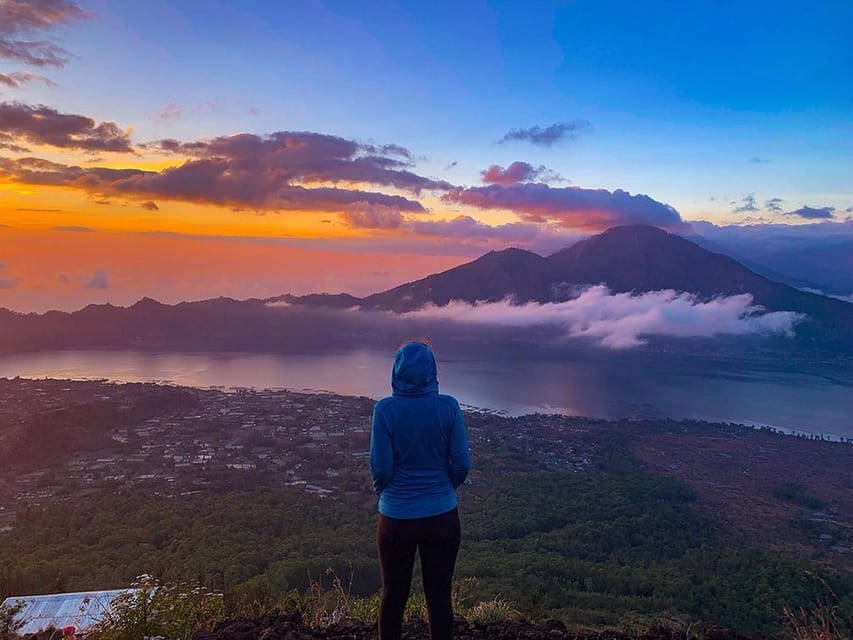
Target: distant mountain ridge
point(494, 276)
point(817, 257)
point(626, 259)
point(629, 258)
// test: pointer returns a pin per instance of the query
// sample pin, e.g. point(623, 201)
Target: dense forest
point(609, 545)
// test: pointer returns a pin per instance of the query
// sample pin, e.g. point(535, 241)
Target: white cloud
point(622, 320)
point(820, 292)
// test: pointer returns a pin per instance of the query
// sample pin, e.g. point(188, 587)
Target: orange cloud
point(571, 207)
point(285, 171)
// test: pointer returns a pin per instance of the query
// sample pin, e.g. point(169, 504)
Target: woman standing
point(418, 457)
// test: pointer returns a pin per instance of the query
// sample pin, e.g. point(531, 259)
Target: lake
point(816, 399)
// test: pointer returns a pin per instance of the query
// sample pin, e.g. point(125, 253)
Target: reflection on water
point(814, 401)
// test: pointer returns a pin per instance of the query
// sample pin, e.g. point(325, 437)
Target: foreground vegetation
point(611, 545)
point(328, 609)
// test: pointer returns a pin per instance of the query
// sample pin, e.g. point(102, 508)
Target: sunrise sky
point(191, 149)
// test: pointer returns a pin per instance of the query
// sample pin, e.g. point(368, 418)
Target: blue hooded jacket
point(418, 444)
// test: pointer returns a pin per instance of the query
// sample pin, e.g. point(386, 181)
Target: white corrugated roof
point(79, 610)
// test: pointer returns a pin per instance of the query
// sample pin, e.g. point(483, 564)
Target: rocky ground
point(291, 627)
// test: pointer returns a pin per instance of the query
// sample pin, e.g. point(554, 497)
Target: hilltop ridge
point(292, 627)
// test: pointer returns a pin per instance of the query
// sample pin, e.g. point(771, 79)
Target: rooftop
point(80, 610)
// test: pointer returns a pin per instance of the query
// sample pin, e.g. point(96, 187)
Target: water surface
point(816, 400)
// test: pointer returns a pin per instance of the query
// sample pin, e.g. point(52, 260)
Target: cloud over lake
point(624, 320)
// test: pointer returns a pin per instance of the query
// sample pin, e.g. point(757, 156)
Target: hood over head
point(414, 371)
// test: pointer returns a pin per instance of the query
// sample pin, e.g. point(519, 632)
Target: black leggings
point(437, 539)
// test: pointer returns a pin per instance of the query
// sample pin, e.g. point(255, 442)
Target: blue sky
point(685, 101)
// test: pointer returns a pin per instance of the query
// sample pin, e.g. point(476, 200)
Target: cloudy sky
point(184, 150)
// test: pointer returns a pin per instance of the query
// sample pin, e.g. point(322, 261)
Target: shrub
point(826, 619)
point(320, 606)
point(492, 611)
point(9, 624)
point(365, 609)
point(798, 494)
point(151, 609)
point(462, 592)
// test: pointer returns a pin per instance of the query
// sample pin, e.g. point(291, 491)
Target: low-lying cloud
point(821, 292)
point(624, 320)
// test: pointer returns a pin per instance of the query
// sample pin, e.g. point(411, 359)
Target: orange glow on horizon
point(51, 268)
point(47, 207)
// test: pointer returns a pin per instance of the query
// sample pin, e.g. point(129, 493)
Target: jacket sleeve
point(459, 462)
point(381, 453)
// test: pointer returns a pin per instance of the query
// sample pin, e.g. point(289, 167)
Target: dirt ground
point(291, 627)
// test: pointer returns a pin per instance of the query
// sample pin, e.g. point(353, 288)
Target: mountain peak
point(327, 300)
point(147, 302)
point(494, 276)
point(646, 258)
point(645, 229)
point(639, 234)
point(631, 258)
